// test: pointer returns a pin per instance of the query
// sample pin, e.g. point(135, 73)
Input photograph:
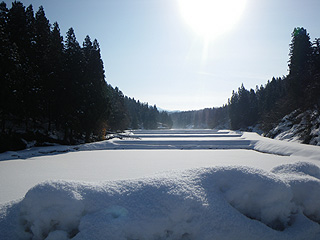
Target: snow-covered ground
point(298, 126)
point(169, 184)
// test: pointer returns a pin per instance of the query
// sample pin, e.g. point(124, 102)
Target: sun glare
point(210, 18)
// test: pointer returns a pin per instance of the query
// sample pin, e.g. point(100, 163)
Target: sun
point(210, 18)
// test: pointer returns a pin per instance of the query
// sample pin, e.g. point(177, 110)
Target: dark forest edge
point(54, 90)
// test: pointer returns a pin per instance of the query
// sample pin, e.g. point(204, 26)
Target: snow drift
point(270, 196)
point(203, 203)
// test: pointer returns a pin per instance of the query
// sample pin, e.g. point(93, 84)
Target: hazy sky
point(152, 54)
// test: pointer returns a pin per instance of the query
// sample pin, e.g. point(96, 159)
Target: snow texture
point(205, 203)
point(217, 202)
point(299, 126)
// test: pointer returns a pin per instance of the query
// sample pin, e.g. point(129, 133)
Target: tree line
point(267, 104)
point(300, 89)
point(201, 119)
point(54, 89)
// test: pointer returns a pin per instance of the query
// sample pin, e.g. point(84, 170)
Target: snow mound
point(204, 203)
point(256, 194)
point(304, 180)
point(52, 206)
point(300, 168)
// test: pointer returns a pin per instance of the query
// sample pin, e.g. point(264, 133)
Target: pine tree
point(41, 55)
point(72, 87)
point(6, 64)
point(30, 27)
point(314, 88)
point(23, 76)
point(96, 104)
point(299, 64)
point(300, 52)
point(55, 79)
point(17, 25)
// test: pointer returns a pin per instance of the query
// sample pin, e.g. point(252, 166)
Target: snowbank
point(203, 203)
point(178, 139)
point(283, 148)
point(298, 126)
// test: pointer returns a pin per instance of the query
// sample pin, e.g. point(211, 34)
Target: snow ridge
point(205, 203)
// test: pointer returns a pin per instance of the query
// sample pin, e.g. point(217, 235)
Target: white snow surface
point(201, 184)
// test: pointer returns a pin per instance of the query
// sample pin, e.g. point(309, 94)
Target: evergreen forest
point(263, 108)
point(300, 89)
point(54, 90)
point(207, 118)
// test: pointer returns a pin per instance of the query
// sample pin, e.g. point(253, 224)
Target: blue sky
point(152, 54)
